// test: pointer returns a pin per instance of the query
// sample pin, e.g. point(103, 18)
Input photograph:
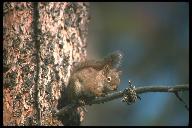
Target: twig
point(65, 109)
point(177, 95)
point(139, 90)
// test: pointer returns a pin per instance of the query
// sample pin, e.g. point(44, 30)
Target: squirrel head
point(111, 79)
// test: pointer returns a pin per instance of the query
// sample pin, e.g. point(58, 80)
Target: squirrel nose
point(115, 88)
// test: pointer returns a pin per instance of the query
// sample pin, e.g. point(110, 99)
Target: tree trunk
point(41, 43)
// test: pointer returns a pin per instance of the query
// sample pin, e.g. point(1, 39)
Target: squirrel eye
point(108, 79)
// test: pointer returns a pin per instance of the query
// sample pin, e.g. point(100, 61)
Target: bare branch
point(139, 90)
point(177, 95)
point(144, 89)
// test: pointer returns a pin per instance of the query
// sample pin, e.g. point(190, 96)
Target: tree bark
point(41, 43)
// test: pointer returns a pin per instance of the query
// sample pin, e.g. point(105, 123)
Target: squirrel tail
point(114, 59)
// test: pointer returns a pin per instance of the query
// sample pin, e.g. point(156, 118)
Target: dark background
point(154, 40)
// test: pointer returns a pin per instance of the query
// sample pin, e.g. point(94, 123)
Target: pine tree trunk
point(41, 42)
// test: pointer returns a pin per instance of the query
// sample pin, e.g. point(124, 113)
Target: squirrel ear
point(105, 70)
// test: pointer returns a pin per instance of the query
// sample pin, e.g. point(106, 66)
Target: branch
point(145, 89)
point(177, 95)
point(120, 94)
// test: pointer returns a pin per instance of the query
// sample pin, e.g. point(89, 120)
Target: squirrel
point(90, 79)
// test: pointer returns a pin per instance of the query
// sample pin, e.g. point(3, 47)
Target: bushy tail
point(113, 60)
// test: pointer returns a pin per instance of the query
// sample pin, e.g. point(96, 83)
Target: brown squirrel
point(91, 79)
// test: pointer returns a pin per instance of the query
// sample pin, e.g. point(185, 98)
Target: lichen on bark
point(61, 38)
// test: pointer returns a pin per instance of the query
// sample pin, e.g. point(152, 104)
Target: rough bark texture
point(41, 42)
